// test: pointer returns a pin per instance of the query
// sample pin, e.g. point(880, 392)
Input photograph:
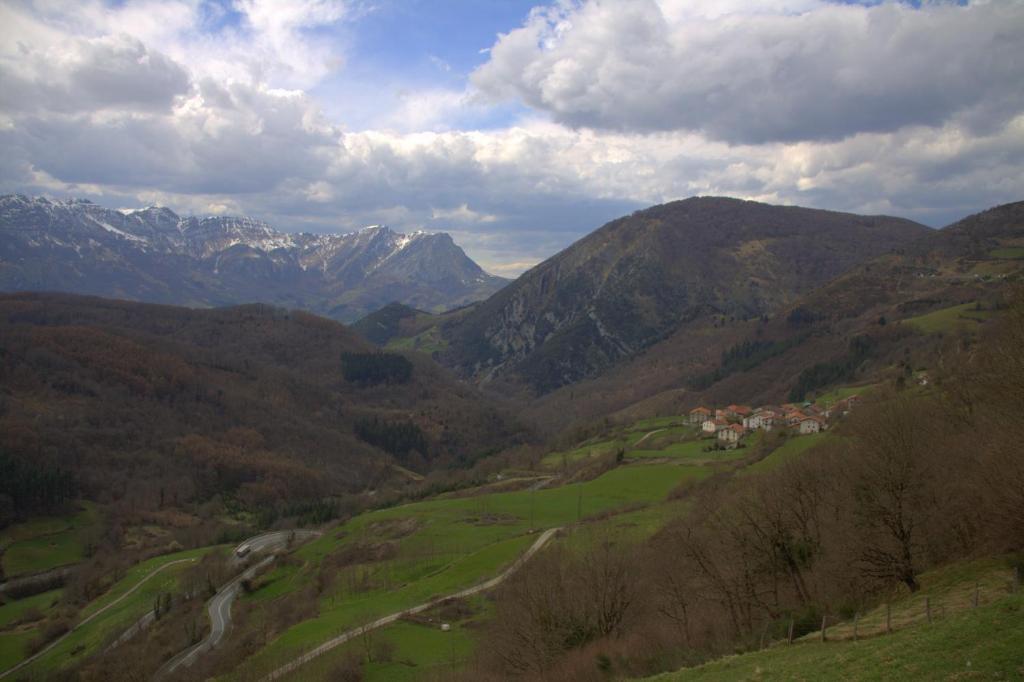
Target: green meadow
point(1009, 253)
point(793, 448)
point(958, 317)
point(41, 544)
point(95, 634)
point(443, 545)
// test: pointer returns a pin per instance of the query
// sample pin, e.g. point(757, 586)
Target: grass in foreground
point(986, 643)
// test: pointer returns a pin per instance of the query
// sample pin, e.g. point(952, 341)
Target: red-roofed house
point(699, 414)
point(737, 411)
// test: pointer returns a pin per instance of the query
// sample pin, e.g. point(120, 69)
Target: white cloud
point(462, 214)
point(107, 103)
point(763, 71)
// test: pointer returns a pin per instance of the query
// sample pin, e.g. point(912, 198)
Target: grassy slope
point(40, 544)
point(96, 633)
point(949, 319)
point(457, 542)
point(794, 447)
point(986, 643)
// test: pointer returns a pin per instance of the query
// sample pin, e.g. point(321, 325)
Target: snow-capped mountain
point(152, 254)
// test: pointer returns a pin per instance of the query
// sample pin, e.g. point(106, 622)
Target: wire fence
point(921, 608)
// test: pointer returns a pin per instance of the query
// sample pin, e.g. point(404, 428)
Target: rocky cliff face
point(154, 255)
point(638, 279)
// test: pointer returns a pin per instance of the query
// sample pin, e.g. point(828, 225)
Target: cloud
point(756, 72)
point(107, 103)
point(462, 214)
point(110, 72)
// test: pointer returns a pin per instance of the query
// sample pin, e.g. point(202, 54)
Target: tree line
point(32, 487)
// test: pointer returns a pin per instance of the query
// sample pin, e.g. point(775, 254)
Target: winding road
point(219, 607)
point(387, 620)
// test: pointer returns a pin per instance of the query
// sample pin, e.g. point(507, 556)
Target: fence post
point(824, 624)
point(928, 607)
point(764, 633)
point(888, 617)
point(1016, 579)
point(975, 602)
point(789, 637)
point(856, 620)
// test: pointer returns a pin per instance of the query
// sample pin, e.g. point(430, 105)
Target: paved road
point(95, 615)
point(274, 540)
point(219, 610)
point(387, 620)
point(219, 607)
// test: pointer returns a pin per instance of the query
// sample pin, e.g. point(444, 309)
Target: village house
point(737, 411)
point(811, 425)
point(729, 437)
point(794, 418)
point(699, 414)
point(761, 418)
point(714, 425)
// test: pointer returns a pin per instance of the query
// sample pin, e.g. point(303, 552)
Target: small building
point(761, 418)
point(708, 426)
point(811, 425)
point(729, 437)
point(793, 418)
point(699, 414)
point(737, 411)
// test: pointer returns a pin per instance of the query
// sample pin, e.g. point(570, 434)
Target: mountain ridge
point(154, 255)
point(639, 278)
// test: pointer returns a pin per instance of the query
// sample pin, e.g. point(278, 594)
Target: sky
point(517, 127)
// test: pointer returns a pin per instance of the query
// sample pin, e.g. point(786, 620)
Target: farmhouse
point(699, 414)
point(729, 437)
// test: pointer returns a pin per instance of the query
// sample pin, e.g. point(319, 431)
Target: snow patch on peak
point(120, 233)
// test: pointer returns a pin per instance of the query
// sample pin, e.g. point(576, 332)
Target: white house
point(730, 436)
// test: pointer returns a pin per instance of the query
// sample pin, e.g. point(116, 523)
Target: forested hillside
point(159, 407)
point(643, 277)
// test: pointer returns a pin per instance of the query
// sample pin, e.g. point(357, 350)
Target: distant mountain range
point(154, 255)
